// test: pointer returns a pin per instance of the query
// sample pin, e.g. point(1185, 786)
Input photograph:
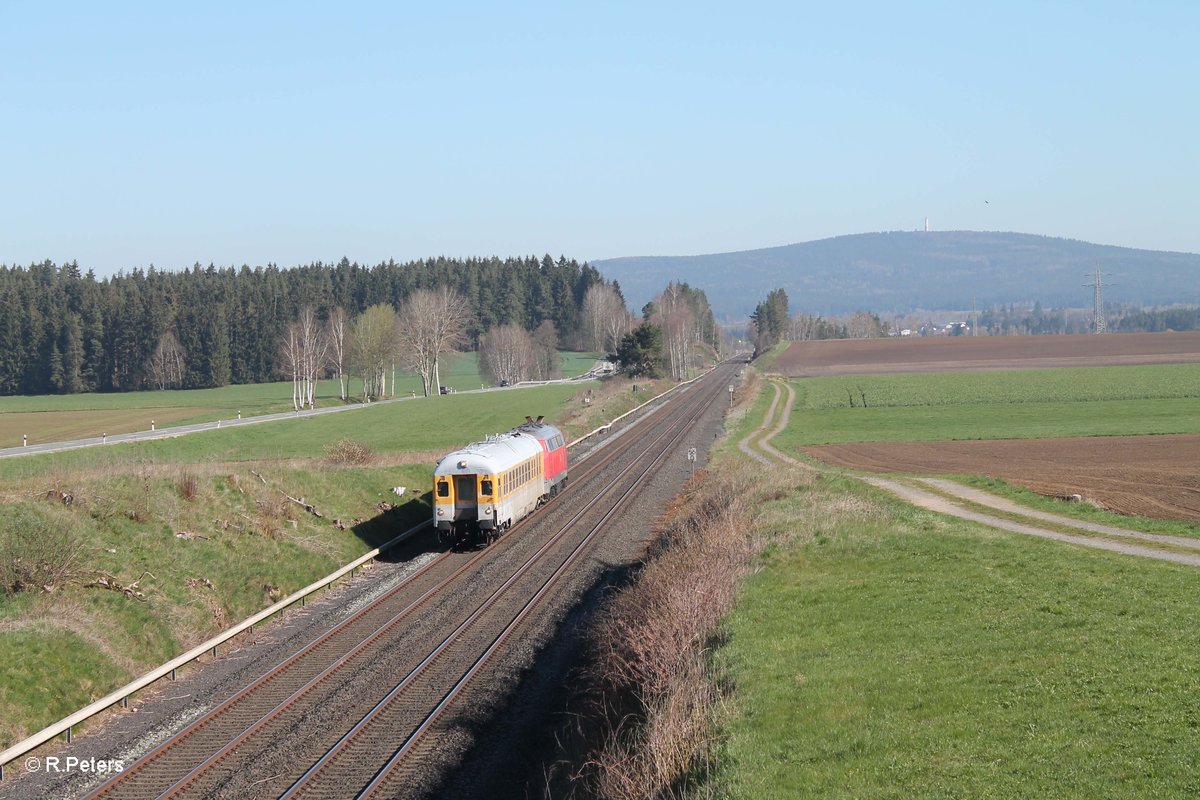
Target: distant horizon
point(591, 261)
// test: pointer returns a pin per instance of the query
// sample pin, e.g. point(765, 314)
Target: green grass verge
point(896, 653)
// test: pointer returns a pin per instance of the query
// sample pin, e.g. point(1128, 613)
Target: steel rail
point(385, 772)
point(331, 756)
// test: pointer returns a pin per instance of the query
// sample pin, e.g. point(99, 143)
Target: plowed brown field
point(951, 353)
point(1150, 476)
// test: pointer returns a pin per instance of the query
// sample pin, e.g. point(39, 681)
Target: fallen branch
point(306, 506)
point(129, 590)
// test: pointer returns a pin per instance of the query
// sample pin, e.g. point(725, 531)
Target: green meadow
point(47, 418)
point(1099, 401)
point(883, 651)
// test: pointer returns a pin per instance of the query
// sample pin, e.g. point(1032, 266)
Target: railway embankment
point(104, 575)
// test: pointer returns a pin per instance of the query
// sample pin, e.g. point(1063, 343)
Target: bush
point(348, 452)
point(39, 547)
point(188, 486)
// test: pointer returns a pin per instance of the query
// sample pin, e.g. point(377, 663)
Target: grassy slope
point(258, 546)
point(884, 651)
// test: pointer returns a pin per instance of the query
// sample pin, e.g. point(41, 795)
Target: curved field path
point(947, 497)
point(1150, 476)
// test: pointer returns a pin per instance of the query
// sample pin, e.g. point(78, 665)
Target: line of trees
point(772, 323)
point(63, 330)
point(677, 326)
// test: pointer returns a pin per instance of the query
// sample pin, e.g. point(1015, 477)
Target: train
point(487, 487)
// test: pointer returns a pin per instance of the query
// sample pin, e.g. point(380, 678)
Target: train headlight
point(441, 512)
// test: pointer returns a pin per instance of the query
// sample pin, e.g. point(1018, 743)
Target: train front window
point(485, 487)
point(443, 489)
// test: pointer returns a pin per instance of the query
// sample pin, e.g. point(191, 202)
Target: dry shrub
point(40, 548)
point(347, 452)
point(652, 701)
point(188, 485)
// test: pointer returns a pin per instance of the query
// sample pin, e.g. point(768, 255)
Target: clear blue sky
point(239, 133)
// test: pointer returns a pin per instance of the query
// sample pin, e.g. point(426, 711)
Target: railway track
point(436, 633)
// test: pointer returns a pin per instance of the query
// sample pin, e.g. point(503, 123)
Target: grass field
point(882, 651)
point(890, 652)
point(885, 651)
point(418, 425)
point(1104, 401)
point(48, 418)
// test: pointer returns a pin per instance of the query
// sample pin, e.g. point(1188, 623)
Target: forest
point(63, 330)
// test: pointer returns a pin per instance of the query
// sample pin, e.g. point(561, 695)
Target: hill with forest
point(904, 271)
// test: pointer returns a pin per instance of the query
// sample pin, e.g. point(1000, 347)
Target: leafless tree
point(506, 353)
point(680, 331)
point(432, 322)
point(545, 340)
point(372, 346)
point(166, 366)
point(292, 359)
point(335, 335)
point(305, 349)
point(803, 327)
point(605, 318)
point(863, 325)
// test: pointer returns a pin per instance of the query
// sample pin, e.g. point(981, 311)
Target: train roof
point(494, 454)
point(537, 428)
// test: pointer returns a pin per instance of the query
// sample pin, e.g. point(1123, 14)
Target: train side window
point(443, 489)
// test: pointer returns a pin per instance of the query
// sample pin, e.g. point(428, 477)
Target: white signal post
point(731, 395)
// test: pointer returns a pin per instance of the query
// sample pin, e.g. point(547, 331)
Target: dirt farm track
point(949, 353)
point(1151, 476)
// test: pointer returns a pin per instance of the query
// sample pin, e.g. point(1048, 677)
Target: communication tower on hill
point(1098, 323)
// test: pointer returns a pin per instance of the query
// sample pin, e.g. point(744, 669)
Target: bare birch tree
point(506, 353)
point(166, 366)
point(305, 349)
point(291, 360)
point(545, 341)
point(432, 322)
point(680, 332)
point(605, 318)
point(315, 347)
point(335, 334)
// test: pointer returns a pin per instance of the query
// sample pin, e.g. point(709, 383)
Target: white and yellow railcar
point(487, 487)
